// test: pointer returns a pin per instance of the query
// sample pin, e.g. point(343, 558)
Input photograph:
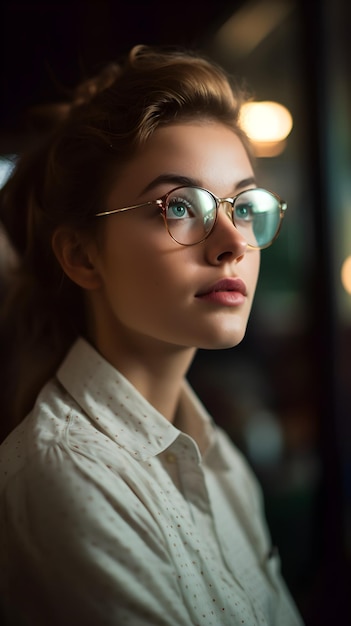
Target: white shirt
point(111, 515)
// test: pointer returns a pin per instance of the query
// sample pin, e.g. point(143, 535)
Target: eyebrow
point(178, 180)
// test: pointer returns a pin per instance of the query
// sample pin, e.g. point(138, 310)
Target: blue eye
point(179, 208)
point(244, 212)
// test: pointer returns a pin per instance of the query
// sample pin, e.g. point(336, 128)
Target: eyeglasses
point(190, 214)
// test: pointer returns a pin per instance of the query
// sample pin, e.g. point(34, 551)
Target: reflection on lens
point(257, 216)
point(191, 214)
point(197, 217)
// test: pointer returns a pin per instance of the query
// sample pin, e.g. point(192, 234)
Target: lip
point(227, 291)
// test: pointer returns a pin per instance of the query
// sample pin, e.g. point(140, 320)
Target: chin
point(222, 341)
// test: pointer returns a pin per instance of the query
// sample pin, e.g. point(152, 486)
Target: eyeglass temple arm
point(126, 208)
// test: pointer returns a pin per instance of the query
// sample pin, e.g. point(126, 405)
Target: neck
point(160, 380)
point(157, 372)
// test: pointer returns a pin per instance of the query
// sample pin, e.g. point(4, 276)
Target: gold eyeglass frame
point(162, 203)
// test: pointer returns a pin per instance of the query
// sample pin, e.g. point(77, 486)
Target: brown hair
point(65, 180)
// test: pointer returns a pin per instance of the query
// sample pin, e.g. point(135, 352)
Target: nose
point(225, 243)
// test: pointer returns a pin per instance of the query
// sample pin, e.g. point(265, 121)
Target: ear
point(74, 252)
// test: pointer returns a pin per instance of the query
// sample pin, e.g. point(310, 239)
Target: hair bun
point(44, 117)
point(88, 89)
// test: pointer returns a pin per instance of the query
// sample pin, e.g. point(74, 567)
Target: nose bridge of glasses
point(228, 206)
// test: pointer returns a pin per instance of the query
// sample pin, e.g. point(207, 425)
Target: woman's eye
point(179, 208)
point(243, 212)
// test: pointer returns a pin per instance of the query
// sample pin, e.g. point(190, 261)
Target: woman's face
point(153, 289)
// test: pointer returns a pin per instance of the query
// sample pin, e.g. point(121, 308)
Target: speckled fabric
point(109, 514)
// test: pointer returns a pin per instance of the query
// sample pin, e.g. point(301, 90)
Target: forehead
point(208, 152)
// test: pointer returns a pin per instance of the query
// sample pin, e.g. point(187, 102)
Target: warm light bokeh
point(267, 124)
point(346, 274)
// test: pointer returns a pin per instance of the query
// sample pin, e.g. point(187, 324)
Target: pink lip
point(228, 291)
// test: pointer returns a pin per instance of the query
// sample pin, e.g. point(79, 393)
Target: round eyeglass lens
point(190, 214)
point(256, 215)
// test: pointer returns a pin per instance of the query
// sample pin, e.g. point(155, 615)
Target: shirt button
point(170, 457)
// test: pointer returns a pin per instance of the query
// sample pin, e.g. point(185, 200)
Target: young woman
point(139, 226)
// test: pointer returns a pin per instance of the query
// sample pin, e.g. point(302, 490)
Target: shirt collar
point(118, 409)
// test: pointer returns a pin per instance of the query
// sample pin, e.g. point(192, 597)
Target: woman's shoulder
point(239, 465)
point(57, 443)
point(40, 432)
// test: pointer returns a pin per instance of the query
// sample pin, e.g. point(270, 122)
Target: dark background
point(48, 46)
point(289, 383)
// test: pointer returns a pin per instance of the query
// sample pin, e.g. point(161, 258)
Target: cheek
point(258, 265)
point(133, 265)
point(255, 263)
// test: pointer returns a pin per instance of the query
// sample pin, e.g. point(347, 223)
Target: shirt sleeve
point(73, 554)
